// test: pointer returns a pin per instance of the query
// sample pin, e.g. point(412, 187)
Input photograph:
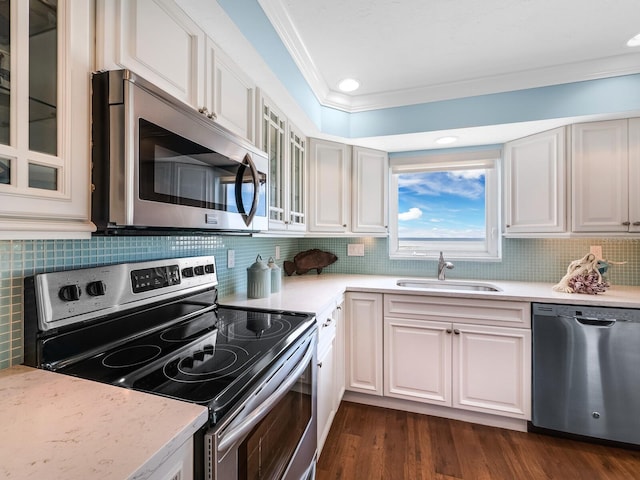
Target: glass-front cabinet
point(45, 66)
point(286, 148)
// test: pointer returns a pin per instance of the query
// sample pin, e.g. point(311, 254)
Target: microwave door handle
point(247, 162)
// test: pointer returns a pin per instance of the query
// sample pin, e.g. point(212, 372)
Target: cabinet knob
point(626, 224)
point(456, 331)
point(327, 323)
point(448, 330)
point(508, 226)
point(319, 364)
point(344, 225)
point(203, 110)
point(339, 307)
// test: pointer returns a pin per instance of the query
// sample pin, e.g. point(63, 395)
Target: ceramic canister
point(276, 275)
point(258, 279)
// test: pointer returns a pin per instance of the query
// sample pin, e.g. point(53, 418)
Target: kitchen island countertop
point(56, 426)
point(314, 293)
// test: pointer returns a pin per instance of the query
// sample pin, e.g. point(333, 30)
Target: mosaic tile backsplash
point(538, 260)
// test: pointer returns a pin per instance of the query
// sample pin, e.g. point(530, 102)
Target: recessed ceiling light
point(634, 42)
point(446, 140)
point(349, 85)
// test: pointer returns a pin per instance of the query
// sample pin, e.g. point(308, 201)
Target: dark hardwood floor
point(369, 443)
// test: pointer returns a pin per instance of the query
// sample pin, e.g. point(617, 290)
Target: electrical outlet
point(231, 258)
point(277, 252)
point(597, 251)
point(355, 250)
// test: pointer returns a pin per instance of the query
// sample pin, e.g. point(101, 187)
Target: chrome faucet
point(442, 265)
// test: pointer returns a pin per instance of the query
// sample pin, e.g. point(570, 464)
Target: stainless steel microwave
point(160, 165)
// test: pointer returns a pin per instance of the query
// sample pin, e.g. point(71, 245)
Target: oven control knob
point(187, 362)
point(209, 268)
point(96, 289)
point(69, 293)
point(208, 349)
point(199, 270)
point(187, 272)
point(199, 355)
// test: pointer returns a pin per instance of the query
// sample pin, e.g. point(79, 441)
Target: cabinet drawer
point(467, 310)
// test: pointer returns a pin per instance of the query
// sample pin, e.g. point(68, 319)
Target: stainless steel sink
point(447, 285)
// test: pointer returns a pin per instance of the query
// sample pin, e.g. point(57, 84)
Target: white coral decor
point(582, 277)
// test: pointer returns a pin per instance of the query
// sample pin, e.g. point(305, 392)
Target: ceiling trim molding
point(279, 17)
point(620, 65)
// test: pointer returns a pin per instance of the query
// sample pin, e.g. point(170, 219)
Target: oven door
point(272, 434)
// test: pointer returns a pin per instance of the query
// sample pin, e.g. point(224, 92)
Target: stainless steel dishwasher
point(586, 371)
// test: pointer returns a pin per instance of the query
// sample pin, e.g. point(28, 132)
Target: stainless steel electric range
point(157, 327)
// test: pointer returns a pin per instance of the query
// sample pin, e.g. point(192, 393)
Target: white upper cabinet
point(601, 177)
point(348, 189)
point(45, 67)
point(370, 191)
point(155, 39)
point(329, 186)
point(535, 178)
point(634, 175)
point(286, 148)
point(230, 94)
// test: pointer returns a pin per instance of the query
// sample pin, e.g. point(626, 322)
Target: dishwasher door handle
point(593, 321)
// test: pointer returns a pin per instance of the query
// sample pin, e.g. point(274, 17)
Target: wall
point(523, 260)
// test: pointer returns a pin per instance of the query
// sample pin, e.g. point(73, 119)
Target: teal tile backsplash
point(539, 260)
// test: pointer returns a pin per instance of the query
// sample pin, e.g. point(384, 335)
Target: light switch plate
point(277, 252)
point(597, 251)
point(355, 250)
point(231, 258)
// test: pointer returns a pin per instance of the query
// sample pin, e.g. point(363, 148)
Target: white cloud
point(413, 214)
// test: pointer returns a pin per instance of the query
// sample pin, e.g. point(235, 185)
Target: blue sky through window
point(442, 205)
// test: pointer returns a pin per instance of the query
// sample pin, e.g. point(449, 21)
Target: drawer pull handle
point(448, 330)
point(456, 331)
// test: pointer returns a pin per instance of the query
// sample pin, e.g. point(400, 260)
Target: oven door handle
point(228, 438)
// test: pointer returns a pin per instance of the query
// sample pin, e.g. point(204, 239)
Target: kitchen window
point(445, 202)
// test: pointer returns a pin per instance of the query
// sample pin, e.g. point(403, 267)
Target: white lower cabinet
point(417, 359)
point(468, 366)
point(457, 365)
point(364, 342)
point(491, 370)
point(330, 367)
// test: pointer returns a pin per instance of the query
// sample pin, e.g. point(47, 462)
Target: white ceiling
point(413, 51)
point(410, 51)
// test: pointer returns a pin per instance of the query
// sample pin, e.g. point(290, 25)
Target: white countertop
point(54, 426)
point(314, 293)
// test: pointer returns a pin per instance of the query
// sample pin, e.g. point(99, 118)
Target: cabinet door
point(296, 181)
point(370, 184)
point(634, 174)
point(326, 390)
point(417, 360)
point(492, 370)
point(600, 171)
point(535, 175)
point(364, 342)
point(45, 120)
point(286, 148)
point(329, 186)
point(230, 94)
point(339, 318)
point(273, 141)
point(158, 41)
